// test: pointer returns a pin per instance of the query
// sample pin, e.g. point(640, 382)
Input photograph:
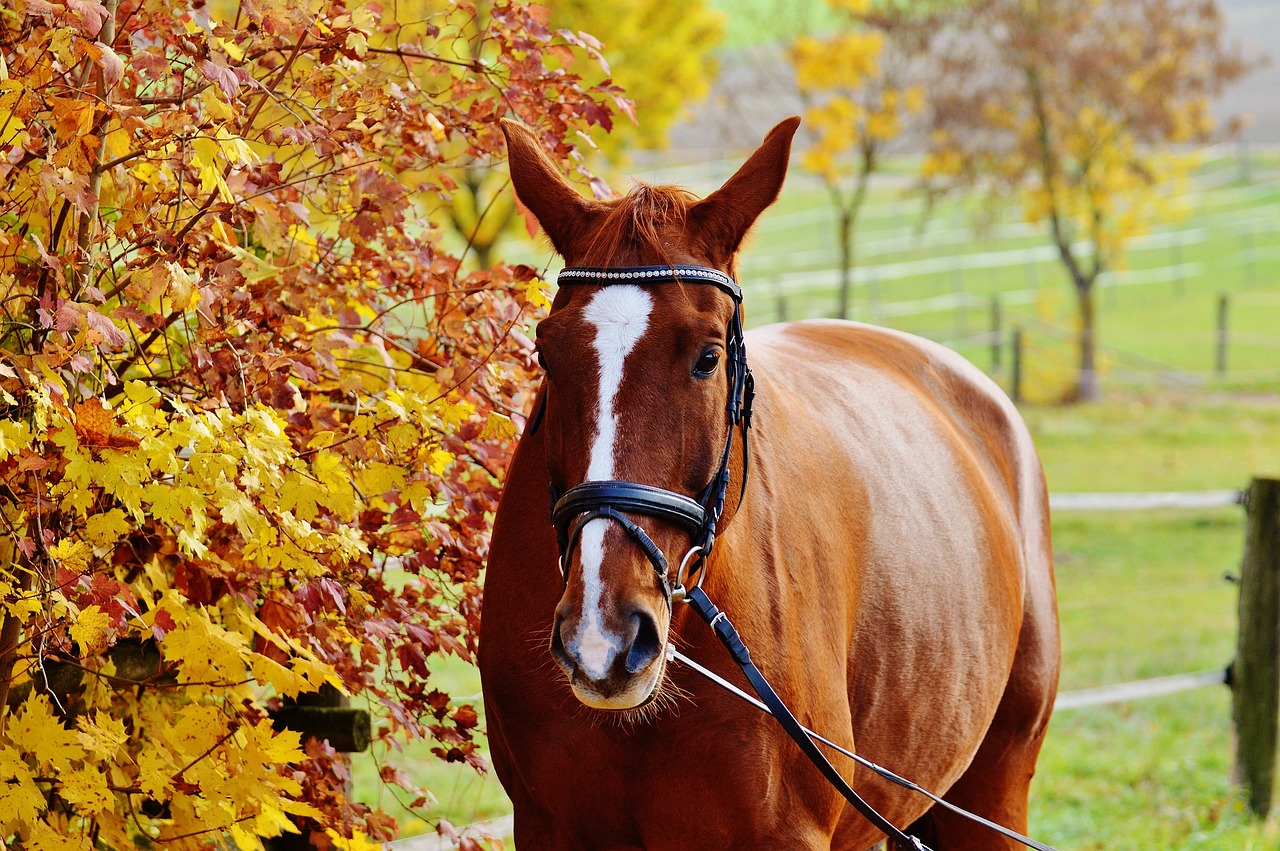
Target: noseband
point(613, 500)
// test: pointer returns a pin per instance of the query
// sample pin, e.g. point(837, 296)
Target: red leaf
point(92, 15)
point(225, 77)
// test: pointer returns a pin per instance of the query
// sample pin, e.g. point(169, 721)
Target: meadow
point(1142, 594)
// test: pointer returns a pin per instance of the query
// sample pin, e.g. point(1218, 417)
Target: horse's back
point(933, 476)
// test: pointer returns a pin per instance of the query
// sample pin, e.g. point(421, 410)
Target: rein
point(611, 500)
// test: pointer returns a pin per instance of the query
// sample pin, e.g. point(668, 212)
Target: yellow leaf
point(270, 672)
point(380, 478)
point(536, 293)
point(85, 789)
point(91, 630)
point(203, 651)
point(38, 732)
point(101, 734)
point(437, 129)
point(357, 842)
point(214, 106)
point(72, 555)
point(20, 798)
point(24, 607)
point(104, 529)
point(46, 837)
point(439, 461)
point(155, 773)
point(498, 427)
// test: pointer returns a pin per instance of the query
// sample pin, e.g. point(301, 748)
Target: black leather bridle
point(612, 500)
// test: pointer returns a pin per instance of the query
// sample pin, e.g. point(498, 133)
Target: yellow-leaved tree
point(858, 92)
point(659, 53)
point(1074, 108)
point(253, 415)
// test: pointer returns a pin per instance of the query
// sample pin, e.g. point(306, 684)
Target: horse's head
point(636, 392)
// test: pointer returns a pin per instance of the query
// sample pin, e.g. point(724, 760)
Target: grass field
point(1142, 594)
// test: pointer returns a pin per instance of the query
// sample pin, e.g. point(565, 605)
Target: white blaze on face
point(620, 315)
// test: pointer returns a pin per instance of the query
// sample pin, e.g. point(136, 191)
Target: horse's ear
point(724, 217)
point(560, 210)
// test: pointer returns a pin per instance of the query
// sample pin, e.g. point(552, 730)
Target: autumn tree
point(858, 90)
point(659, 53)
point(1072, 108)
point(254, 417)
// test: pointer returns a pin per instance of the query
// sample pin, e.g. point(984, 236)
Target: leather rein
point(613, 500)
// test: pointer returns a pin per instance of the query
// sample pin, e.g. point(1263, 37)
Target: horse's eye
point(707, 363)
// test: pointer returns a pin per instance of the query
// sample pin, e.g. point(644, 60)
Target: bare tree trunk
point(1087, 389)
point(846, 261)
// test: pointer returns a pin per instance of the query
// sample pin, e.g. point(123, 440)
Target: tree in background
point(659, 53)
point(1072, 107)
point(857, 91)
point(253, 417)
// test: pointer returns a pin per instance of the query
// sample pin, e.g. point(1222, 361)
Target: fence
point(1254, 676)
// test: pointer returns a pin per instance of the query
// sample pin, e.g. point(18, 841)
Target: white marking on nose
point(620, 315)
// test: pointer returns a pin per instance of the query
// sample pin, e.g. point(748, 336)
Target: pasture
point(1141, 594)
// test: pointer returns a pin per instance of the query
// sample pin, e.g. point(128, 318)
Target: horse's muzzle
point(610, 666)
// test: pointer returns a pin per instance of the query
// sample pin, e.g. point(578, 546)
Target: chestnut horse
point(887, 562)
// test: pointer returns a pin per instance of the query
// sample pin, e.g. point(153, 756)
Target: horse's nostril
point(557, 647)
point(646, 645)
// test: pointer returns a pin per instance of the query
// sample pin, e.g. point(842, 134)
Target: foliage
point(661, 77)
point(1072, 107)
point(254, 416)
point(855, 84)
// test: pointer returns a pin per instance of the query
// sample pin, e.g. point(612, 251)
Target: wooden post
point(1256, 671)
point(324, 714)
point(1223, 304)
point(782, 306)
point(1015, 390)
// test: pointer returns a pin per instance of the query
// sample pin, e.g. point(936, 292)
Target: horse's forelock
point(636, 228)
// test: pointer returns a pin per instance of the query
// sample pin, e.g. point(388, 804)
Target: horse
point(881, 540)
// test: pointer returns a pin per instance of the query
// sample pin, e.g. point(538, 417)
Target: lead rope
point(719, 622)
point(771, 704)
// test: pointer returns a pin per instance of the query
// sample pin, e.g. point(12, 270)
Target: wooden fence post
point(1256, 670)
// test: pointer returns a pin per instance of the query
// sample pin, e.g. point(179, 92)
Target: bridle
point(700, 517)
point(613, 500)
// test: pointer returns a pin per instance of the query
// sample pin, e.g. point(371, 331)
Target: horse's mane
point(633, 225)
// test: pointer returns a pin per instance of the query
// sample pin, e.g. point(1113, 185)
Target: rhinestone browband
point(654, 274)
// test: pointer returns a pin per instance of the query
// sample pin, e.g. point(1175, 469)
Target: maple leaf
point(85, 789)
point(226, 78)
point(92, 15)
point(21, 801)
point(101, 734)
point(270, 672)
point(38, 732)
point(91, 630)
point(155, 774)
point(202, 650)
point(46, 837)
